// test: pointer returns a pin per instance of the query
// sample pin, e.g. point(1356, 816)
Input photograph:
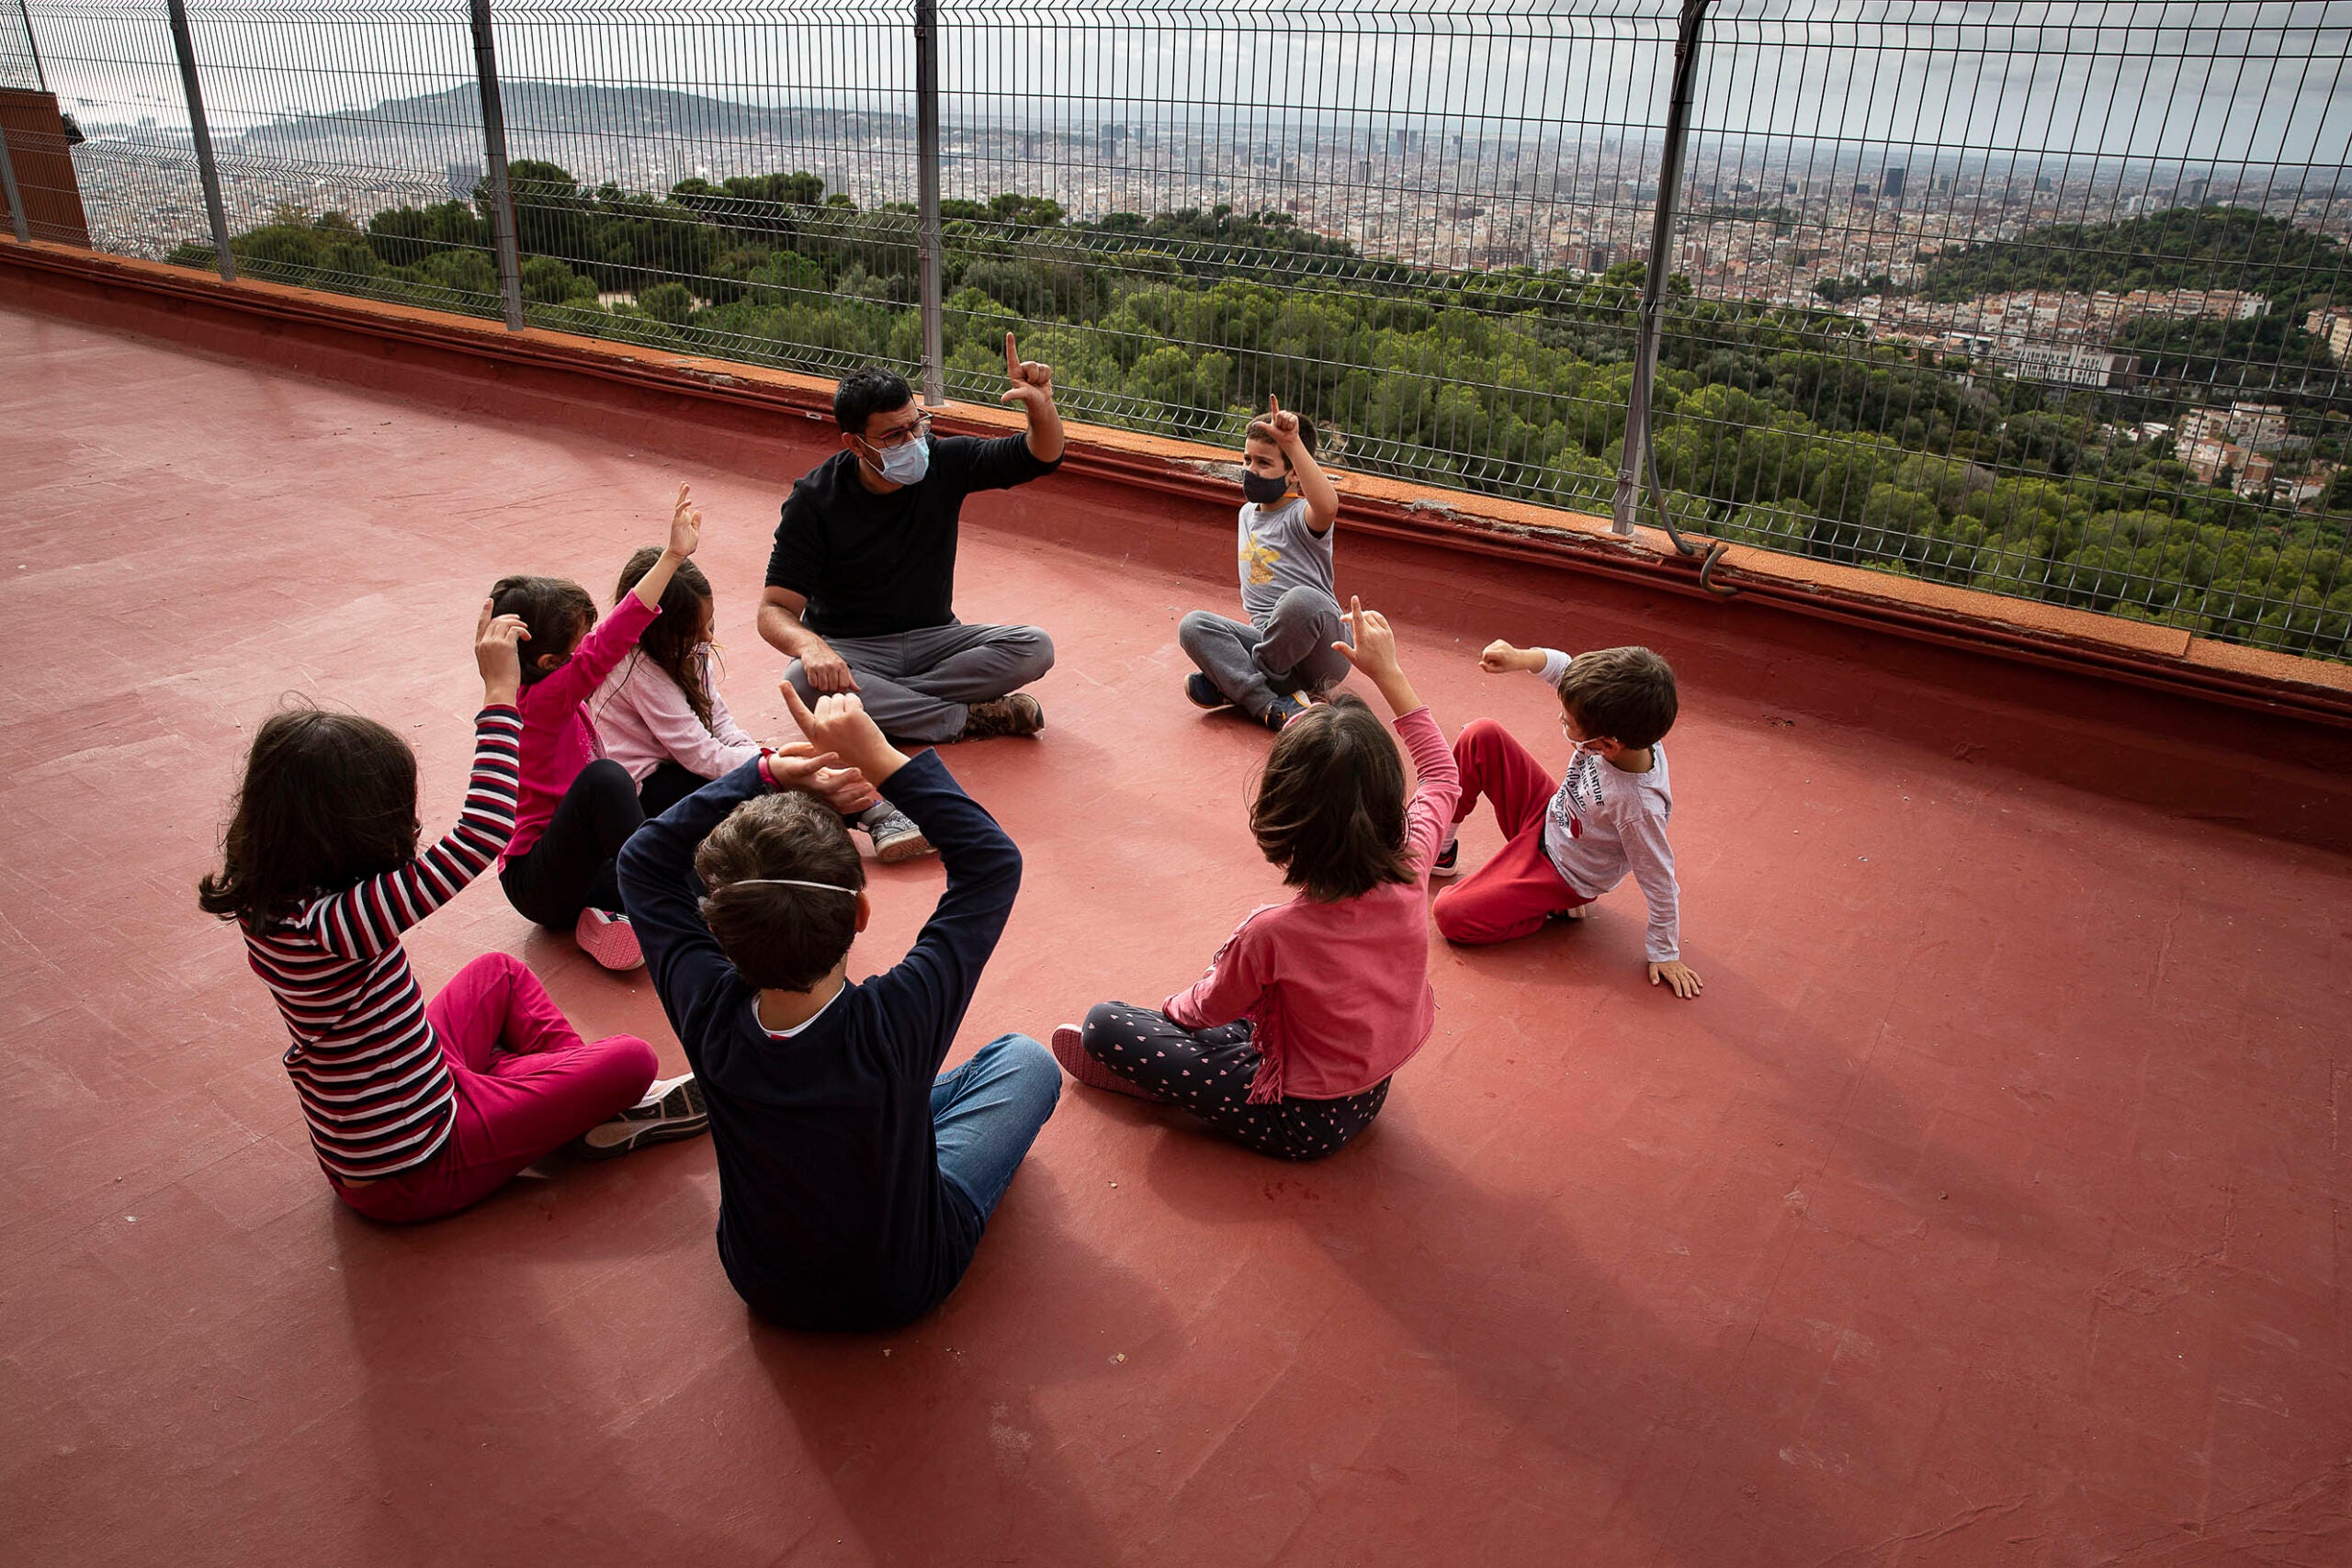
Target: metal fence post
point(1636, 466)
point(40, 71)
point(934, 347)
point(502, 195)
point(15, 198)
point(206, 170)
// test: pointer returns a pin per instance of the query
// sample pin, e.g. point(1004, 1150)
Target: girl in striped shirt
point(416, 1109)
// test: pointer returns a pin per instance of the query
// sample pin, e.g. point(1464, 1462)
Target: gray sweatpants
point(918, 685)
point(1289, 651)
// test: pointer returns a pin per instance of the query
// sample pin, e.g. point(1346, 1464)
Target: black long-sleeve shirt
point(877, 565)
point(831, 1210)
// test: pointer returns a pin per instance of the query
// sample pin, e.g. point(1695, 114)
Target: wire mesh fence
point(2029, 297)
point(2048, 299)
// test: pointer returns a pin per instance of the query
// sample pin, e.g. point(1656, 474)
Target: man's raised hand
point(1032, 384)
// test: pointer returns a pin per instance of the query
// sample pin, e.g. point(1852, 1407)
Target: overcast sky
point(2211, 83)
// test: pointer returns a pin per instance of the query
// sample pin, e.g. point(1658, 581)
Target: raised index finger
point(1011, 358)
point(483, 625)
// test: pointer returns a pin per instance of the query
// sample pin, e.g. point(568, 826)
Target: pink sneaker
point(606, 938)
point(1070, 1050)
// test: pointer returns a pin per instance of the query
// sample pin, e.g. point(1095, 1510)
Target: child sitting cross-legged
point(577, 806)
point(1566, 845)
point(416, 1109)
point(1275, 664)
point(660, 716)
point(1288, 1042)
point(855, 1179)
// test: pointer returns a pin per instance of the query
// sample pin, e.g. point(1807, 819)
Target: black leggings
point(1207, 1072)
point(667, 784)
point(570, 867)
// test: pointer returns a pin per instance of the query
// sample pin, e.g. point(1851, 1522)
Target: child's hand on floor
point(801, 766)
point(1501, 658)
point(840, 725)
point(498, 655)
point(685, 525)
point(1680, 975)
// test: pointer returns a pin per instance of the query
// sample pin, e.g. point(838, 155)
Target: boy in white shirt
point(1570, 844)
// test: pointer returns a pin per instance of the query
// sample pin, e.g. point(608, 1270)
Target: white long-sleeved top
point(643, 720)
point(1604, 822)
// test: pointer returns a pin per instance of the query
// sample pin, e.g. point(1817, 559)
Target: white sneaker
point(672, 1109)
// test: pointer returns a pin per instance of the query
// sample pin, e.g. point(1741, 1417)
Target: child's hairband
point(791, 882)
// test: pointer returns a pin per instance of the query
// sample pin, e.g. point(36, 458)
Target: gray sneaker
point(896, 837)
point(672, 1109)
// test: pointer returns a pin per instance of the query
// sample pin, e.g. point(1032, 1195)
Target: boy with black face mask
point(1283, 658)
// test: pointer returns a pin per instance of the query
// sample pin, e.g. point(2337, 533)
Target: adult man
point(861, 585)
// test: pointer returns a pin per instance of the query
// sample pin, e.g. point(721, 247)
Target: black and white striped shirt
point(374, 1085)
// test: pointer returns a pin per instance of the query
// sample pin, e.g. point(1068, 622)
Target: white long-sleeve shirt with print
point(643, 720)
point(1604, 822)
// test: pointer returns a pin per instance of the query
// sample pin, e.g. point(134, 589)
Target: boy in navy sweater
point(853, 1180)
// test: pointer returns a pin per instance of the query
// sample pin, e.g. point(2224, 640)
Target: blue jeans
point(986, 1114)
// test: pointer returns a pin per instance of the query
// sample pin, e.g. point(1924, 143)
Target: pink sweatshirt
point(558, 741)
point(1338, 995)
point(643, 720)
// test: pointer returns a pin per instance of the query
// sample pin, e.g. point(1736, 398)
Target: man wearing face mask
point(1283, 658)
point(862, 581)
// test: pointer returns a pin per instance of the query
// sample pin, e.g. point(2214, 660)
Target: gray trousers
point(1289, 651)
point(918, 685)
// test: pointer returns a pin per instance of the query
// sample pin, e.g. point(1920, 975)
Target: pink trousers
point(1517, 891)
point(526, 1085)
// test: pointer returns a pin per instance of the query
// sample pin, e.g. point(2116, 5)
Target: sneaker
point(1449, 860)
point(672, 1109)
point(1203, 694)
point(607, 938)
point(1281, 712)
point(1070, 1050)
point(896, 837)
point(1019, 714)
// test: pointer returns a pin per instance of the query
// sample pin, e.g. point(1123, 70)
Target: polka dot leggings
point(1207, 1072)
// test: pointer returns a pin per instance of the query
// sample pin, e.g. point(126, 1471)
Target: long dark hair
point(556, 611)
point(328, 800)
point(674, 639)
point(1330, 805)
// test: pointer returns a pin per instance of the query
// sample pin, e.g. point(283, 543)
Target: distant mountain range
point(450, 121)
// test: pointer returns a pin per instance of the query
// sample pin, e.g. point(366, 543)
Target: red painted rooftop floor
point(1987, 1210)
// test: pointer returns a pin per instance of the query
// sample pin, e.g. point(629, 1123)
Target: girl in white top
point(658, 714)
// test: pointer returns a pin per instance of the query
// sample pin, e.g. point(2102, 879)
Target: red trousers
point(527, 1085)
point(1517, 891)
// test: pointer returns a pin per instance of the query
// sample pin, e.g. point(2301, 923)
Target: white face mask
point(906, 463)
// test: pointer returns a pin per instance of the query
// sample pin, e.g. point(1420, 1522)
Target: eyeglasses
point(919, 431)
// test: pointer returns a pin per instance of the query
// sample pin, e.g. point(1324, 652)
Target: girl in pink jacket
point(1288, 1042)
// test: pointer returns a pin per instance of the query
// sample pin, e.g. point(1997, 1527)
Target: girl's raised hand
point(498, 655)
point(1375, 651)
point(685, 524)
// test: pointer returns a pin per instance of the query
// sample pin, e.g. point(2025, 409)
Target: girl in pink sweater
point(578, 807)
point(660, 716)
point(1288, 1042)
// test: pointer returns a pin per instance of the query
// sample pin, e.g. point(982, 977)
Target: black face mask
point(1264, 488)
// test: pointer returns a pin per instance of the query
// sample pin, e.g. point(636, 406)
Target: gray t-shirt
point(1279, 552)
